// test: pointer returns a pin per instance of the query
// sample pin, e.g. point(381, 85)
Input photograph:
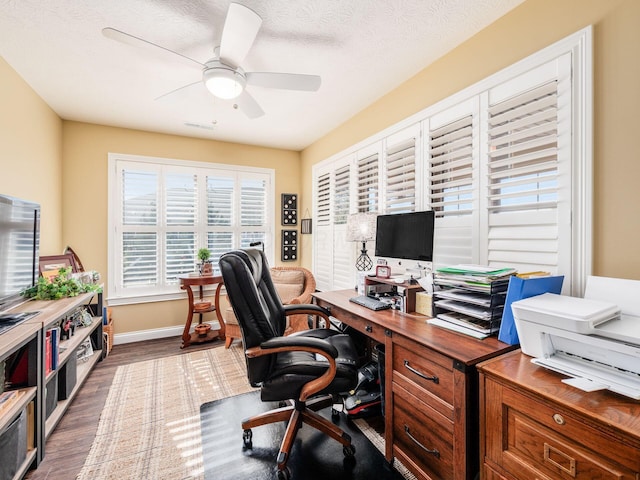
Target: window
point(164, 211)
point(505, 165)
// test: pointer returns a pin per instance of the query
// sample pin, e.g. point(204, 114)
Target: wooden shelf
point(30, 335)
point(7, 416)
point(83, 369)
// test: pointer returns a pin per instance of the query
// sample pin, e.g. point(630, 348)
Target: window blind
point(368, 189)
point(523, 188)
point(451, 168)
point(341, 196)
point(523, 155)
point(400, 181)
point(167, 210)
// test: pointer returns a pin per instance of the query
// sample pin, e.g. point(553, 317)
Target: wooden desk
point(188, 283)
point(431, 387)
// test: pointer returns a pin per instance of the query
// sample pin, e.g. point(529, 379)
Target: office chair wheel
point(247, 437)
point(284, 474)
point(349, 451)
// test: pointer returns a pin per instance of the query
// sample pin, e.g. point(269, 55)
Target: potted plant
point(204, 254)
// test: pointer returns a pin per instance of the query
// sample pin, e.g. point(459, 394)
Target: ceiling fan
point(222, 74)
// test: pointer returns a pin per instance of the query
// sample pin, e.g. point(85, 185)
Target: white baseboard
point(153, 334)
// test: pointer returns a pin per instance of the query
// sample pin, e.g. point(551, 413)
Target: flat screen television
point(406, 236)
point(19, 249)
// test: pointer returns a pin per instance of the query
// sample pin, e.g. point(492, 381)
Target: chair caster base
point(247, 439)
point(349, 451)
point(284, 474)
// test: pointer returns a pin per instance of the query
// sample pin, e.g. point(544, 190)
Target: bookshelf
point(46, 386)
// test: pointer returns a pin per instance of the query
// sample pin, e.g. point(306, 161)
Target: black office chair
point(286, 368)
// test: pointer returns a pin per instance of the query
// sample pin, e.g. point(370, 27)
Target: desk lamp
point(361, 227)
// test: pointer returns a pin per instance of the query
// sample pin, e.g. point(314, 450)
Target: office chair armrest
point(307, 344)
point(302, 344)
point(308, 309)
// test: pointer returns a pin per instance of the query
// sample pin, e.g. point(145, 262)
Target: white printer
point(595, 339)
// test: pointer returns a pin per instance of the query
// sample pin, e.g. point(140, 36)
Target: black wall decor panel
point(289, 209)
point(289, 245)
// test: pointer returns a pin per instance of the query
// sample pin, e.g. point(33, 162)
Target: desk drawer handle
point(569, 466)
point(433, 379)
point(368, 329)
point(433, 452)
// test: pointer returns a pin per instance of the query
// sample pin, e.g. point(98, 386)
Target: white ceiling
point(362, 49)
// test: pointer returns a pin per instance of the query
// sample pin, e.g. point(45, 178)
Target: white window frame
point(117, 295)
point(580, 48)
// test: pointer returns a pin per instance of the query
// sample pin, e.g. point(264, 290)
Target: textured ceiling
point(362, 49)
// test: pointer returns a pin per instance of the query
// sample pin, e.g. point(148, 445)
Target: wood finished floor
point(69, 444)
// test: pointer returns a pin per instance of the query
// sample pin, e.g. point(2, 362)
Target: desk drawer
point(362, 325)
point(543, 441)
point(422, 434)
point(426, 369)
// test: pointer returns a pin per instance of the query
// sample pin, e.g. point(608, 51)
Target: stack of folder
point(470, 298)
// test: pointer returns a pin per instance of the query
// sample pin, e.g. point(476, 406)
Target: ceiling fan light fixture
point(224, 82)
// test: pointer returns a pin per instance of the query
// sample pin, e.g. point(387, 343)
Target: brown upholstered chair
point(294, 286)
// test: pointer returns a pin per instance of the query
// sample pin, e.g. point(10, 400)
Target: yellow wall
point(532, 26)
point(85, 195)
point(30, 154)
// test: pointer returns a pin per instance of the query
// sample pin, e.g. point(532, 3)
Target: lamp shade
point(361, 227)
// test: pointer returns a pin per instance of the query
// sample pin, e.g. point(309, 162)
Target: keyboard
point(369, 302)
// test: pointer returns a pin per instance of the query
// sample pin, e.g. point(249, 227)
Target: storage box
point(51, 395)
point(13, 446)
point(67, 377)
point(424, 303)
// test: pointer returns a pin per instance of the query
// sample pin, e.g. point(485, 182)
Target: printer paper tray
point(611, 378)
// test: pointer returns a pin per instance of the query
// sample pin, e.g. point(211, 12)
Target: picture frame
point(49, 265)
point(383, 271)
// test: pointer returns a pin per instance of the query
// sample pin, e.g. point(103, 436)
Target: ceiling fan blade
point(285, 81)
point(128, 39)
point(249, 106)
point(238, 34)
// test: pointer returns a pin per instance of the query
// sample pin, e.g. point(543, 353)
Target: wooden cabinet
point(533, 426)
point(46, 394)
point(434, 423)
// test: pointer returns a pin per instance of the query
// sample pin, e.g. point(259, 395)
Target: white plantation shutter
point(323, 233)
point(368, 187)
point(506, 165)
point(166, 210)
point(343, 264)
point(341, 196)
point(220, 192)
point(400, 177)
point(451, 168)
point(452, 183)
point(181, 205)
point(139, 239)
point(333, 261)
point(528, 172)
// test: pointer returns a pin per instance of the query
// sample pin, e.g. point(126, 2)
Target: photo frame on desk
point(50, 265)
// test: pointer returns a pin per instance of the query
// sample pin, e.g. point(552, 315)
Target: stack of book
point(470, 298)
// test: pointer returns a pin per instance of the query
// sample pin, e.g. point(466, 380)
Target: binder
point(521, 288)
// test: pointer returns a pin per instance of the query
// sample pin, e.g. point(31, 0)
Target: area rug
point(150, 425)
point(314, 456)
